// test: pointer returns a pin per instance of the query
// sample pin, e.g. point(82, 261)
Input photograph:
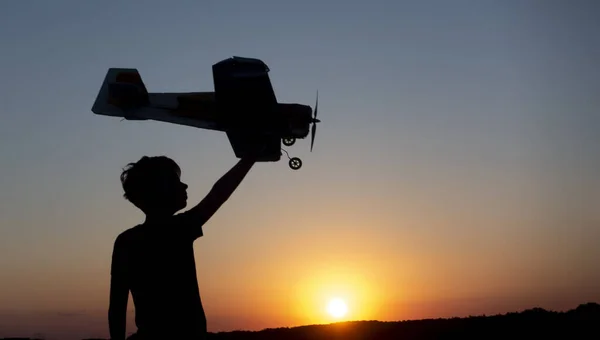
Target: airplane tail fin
point(121, 91)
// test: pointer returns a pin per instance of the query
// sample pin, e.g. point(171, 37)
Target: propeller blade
point(315, 121)
point(314, 131)
point(316, 105)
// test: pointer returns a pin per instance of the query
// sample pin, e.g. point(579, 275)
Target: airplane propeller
point(314, 121)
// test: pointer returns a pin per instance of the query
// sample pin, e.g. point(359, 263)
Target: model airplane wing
point(245, 96)
point(243, 89)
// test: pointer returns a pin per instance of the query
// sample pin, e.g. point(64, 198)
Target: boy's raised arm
point(219, 194)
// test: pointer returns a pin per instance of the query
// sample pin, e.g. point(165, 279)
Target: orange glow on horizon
point(315, 293)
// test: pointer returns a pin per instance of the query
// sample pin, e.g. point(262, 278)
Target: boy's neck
point(157, 217)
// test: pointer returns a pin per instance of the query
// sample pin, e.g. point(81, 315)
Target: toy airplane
point(243, 105)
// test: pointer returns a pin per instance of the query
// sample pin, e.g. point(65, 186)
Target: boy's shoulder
point(171, 227)
point(127, 235)
point(174, 229)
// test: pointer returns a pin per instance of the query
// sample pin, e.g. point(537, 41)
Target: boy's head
point(153, 184)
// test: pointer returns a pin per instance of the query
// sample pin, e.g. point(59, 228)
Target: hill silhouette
point(582, 322)
point(537, 323)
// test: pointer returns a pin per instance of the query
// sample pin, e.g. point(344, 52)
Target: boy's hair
point(139, 179)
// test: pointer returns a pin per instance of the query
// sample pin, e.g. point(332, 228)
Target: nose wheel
point(295, 163)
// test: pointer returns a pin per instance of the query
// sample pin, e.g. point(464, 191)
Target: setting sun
point(337, 308)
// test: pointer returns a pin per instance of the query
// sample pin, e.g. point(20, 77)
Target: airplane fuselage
point(201, 110)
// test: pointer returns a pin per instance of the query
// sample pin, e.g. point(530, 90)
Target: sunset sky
point(455, 171)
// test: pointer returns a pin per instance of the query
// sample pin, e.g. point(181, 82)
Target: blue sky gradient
point(459, 144)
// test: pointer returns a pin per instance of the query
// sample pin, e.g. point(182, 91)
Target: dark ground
point(580, 323)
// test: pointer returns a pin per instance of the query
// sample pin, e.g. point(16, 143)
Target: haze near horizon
point(455, 171)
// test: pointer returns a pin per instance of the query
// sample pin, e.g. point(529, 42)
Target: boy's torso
point(162, 274)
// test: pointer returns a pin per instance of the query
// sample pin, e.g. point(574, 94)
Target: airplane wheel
point(289, 141)
point(295, 163)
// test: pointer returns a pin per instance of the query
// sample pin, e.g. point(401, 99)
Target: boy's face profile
point(153, 184)
point(171, 195)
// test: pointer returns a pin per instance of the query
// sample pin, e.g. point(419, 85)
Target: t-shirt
point(157, 262)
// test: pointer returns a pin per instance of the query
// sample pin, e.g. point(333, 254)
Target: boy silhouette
point(155, 260)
